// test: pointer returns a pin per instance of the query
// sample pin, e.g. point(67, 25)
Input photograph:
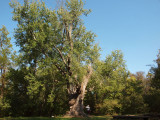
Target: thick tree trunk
point(76, 98)
point(76, 106)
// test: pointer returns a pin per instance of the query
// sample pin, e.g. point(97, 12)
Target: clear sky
point(132, 26)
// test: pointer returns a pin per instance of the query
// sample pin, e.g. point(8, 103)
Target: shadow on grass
point(59, 118)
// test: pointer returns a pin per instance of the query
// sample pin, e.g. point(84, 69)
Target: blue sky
point(132, 26)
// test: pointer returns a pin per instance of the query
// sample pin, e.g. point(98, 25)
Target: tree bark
point(76, 98)
point(2, 82)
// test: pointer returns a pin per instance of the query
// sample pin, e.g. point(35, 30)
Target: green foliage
point(33, 93)
point(5, 63)
point(132, 97)
point(5, 48)
point(109, 106)
point(57, 41)
point(33, 30)
point(4, 106)
point(155, 82)
point(153, 95)
point(55, 51)
point(115, 74)
point(16, 92)
point(107, 84)
point(152, 99)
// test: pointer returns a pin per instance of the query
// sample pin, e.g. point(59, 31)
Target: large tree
point(49, 37)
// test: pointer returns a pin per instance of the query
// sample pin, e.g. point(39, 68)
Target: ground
point(59, 118)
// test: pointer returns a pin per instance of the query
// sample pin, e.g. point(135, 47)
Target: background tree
point(5, 62)
point(132, 99)
point(17, 93)
point(153, 95)
point(155, 83)
point(107, 84)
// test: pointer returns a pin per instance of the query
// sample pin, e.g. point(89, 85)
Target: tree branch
point(60, 53)
point(60, 69)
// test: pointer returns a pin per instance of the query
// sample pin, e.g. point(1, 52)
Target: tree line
point(58, 71)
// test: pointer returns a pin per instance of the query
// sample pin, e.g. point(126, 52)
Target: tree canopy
point(58, 71)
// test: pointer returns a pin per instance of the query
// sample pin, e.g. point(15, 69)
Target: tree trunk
point(2, 83)
point(76, 98)
point(76, 106)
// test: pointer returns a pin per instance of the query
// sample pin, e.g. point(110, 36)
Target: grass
point(58, 118)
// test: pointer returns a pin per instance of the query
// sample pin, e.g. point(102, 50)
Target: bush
point(133, 104)
point(153, 101)
point(109, 106)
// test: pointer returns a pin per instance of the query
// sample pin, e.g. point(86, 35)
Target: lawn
point(58, 118)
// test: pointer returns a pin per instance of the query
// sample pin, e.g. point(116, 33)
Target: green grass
point(57, 118)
